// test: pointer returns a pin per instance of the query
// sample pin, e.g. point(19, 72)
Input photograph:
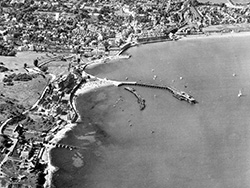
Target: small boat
point(240, 93)
point(184, 96)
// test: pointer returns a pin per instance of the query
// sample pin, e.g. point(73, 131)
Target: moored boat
point(184, 96)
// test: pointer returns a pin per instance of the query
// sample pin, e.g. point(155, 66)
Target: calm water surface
point(171, 143)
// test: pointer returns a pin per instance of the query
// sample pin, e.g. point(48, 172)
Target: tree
point(44, 68)
point(100, 17)
point(35, 63)
point(5, 141)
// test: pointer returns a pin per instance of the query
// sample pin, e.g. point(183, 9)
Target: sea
point(170, 143)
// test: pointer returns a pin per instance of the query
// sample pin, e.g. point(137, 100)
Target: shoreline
point(215, 35)
point(182, 37)
point(51, 169)
point(95, 83)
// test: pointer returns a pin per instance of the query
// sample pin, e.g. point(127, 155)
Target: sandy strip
point(105, 60)
point(95, 84)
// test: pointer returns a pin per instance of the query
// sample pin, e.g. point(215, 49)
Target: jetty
point(180, 95)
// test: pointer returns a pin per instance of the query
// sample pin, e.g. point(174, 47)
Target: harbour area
point(53, 111)
point(169, 143)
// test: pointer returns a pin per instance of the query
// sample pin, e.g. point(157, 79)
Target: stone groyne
point(124, 47)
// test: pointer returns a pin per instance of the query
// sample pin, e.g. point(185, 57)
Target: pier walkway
point(171, 90)
point(180, 95)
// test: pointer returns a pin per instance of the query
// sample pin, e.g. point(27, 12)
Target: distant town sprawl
point(98, 27)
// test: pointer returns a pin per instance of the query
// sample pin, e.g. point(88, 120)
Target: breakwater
point(70, 147)
point(140, 100)
point(123, 48)
point(149, 41)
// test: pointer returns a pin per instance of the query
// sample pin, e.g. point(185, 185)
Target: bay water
point(171, 143)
